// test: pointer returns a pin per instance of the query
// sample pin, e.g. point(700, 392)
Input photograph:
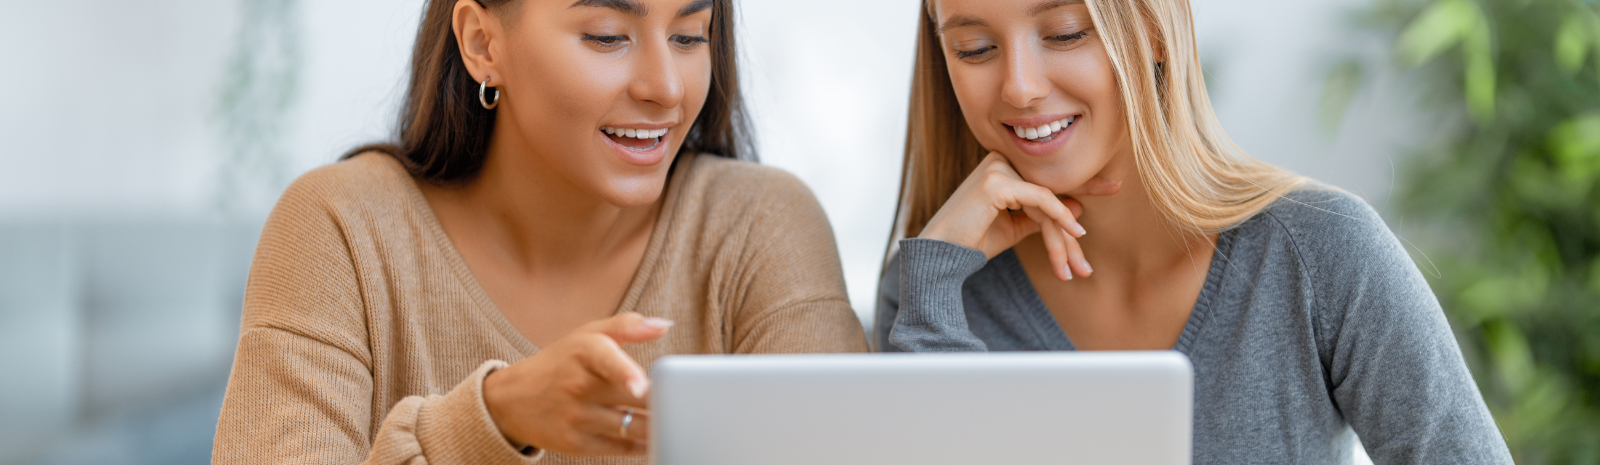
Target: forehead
point(643, 8)
point(945, 9)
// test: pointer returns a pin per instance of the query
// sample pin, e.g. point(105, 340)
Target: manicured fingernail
point(654, 322)
point(1086, 266)
point(1079, 228)
point(1068, 268)
point(638, 387)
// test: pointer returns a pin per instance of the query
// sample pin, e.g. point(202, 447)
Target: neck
point(540, 219)
point(1129, 238)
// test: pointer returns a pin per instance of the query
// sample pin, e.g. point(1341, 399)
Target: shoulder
point(724, 187)
point(354, 201)
point(323, 204)
point(1342, 243)
point(326, 225)
point(719, 181)
point(366, 182)
point(1326, 224)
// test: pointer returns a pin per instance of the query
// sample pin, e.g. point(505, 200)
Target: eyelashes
point(690, 41)
point(973, 53)
point(1057, 41)
point(1069, 37)
point(615, 41)
point(605, 40)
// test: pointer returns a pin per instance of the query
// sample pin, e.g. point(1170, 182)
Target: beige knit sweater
point(366, 339)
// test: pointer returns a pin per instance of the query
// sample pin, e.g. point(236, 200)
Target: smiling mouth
point(642, 140)
point(1046, 132)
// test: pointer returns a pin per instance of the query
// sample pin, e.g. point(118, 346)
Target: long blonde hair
point(1195, 175)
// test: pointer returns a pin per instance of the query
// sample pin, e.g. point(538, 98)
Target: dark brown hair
point(444, 132)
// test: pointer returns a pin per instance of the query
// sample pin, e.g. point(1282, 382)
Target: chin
point(1060, 178)
point(634, 190)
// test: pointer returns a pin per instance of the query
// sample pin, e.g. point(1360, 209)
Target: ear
point(477, 32)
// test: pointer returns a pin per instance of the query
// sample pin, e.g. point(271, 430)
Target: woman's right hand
point(994, 208)
point(571, 397)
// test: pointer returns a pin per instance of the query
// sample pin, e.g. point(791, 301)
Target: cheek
point(695, 72)
point(977, 92)
point(565, 89)
point(1098, 83)
point(1089, 80)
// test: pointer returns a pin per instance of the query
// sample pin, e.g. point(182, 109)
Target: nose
point(656, 79)
point(1024, 83)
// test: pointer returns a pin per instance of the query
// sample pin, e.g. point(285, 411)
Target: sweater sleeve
point(301, 389)
point(929, 315)
point(1394, 368)
point(888, 306)
point(793, 297)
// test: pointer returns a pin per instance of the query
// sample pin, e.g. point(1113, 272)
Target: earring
point(483, 88)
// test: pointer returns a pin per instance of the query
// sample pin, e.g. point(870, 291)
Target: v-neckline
point(1048, 330)
point(480, 298)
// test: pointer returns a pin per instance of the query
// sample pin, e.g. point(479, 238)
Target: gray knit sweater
point(1313, 324)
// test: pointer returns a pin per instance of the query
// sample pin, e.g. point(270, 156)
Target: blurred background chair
point(116, 336)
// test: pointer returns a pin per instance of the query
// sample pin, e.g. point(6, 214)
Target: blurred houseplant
point(259, 89)
point(1506, 204)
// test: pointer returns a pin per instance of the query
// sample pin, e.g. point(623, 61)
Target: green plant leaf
point(1576, 145)
point(1594, 277)
point(1503, 295)
point(1572, 43)
point(1508, 346)
point(1478, 53)
point(1441, 26)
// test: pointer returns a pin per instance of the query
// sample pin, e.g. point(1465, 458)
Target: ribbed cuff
point(457, 428)
point(932, 317)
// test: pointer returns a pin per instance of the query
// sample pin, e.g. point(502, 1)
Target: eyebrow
point(1051, 5)
point(635, 9)
point(694, 7)
point(960, 21)
point(626, 6)
point(964, 21)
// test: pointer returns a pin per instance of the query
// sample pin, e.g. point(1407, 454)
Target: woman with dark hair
point(565, 188)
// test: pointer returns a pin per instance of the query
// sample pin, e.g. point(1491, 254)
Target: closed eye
point(606, 41)
point(973, 53)
point(689, 41)
point(1068, 38)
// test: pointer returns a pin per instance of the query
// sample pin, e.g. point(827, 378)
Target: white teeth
point(634, 133)
point(1045, 130)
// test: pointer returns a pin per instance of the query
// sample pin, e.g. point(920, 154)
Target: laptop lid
point(927, 409)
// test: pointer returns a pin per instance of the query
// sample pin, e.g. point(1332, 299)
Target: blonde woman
point(1302, 314)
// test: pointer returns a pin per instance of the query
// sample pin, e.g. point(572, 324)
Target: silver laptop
point(925, 409)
